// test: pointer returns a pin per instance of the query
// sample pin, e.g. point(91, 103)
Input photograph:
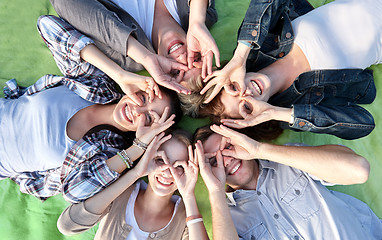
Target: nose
point(247, 92)
point(166, 173)
point(182, 58)
point(138, 110)
point(227, 161)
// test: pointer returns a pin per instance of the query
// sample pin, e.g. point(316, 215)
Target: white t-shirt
point(33, 133)
point(143, 12)
point(341, 34)
point(136, 233)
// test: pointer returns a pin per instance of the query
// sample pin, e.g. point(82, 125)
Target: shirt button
point(281, 54)
point(276, 216)
point(152, 235)
point(296, 237)
point(259, 193)
point(297, 193)
point(301, 124)
point(288, 35)
point(254, 33)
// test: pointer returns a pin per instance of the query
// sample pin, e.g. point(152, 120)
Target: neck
point(154, 205)
point(87, 118)
point(102, 114)
point(284, 72)
point(162, 22)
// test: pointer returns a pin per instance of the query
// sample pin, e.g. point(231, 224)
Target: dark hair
point(263, 132)
point(180, 134)
point(175, 107)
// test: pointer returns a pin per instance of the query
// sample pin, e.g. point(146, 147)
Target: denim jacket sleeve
point(326, 101)
point(261, 15)
point(347, 122)
point(267, 25)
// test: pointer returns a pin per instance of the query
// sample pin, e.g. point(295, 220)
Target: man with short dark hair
point(283, 197)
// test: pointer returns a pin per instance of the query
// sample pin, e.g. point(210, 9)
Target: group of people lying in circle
point(94, 132)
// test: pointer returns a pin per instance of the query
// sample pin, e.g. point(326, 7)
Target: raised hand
point(146, 133)
point(185, 174)
point(260, 112)
point(132, 83)
point(146, 163)
point(201, 44)
point(166, 72)
point(241, 146)
point(232, 74)
point(213, 173)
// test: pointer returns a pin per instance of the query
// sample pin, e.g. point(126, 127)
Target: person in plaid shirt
point(51, 149)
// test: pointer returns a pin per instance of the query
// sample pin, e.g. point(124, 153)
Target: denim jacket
point(324, 101)
point(268, 26)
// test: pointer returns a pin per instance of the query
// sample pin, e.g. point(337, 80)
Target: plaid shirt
point(84, 171)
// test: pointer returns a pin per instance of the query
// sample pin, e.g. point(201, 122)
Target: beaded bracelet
point(140, 144)
point(125, 158)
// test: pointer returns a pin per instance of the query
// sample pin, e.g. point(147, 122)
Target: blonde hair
point(193, 104)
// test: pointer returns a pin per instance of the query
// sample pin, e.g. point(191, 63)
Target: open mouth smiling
point(174, 46)
point(257, 86)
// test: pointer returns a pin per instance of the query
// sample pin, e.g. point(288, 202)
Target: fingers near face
point(126, 112)
point(162, 181)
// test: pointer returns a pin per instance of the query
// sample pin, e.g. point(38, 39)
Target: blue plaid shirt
point(84, 171)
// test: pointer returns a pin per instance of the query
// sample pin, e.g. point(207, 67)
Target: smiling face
point(162, 181)
point(173, 45)
point(240, 174)
point(126, 112)
point(258, 86)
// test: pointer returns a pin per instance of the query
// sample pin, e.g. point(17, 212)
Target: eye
point(143, 98)
point(174, 72)
point(247, 107)
point(228, 146)
point(159, 161)
point(213, 161)
point(179, 170)
point(149, 119)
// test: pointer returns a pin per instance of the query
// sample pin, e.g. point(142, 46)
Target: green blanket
point(24, 56)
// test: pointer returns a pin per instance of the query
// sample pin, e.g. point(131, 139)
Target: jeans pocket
point(301, 198)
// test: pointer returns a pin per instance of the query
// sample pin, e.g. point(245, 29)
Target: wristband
point(193, 217)
point(123, 155)
point(196, 220)
point(138, 143)
point(246, 43)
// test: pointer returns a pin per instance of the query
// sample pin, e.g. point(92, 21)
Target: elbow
point(362, 171)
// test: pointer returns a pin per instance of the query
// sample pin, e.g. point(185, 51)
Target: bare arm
point(186, 186)
point(214, 178)
point(222, 223)
point(129, 82)
point(332, 163)
point(99, 202)
point(199, 39)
